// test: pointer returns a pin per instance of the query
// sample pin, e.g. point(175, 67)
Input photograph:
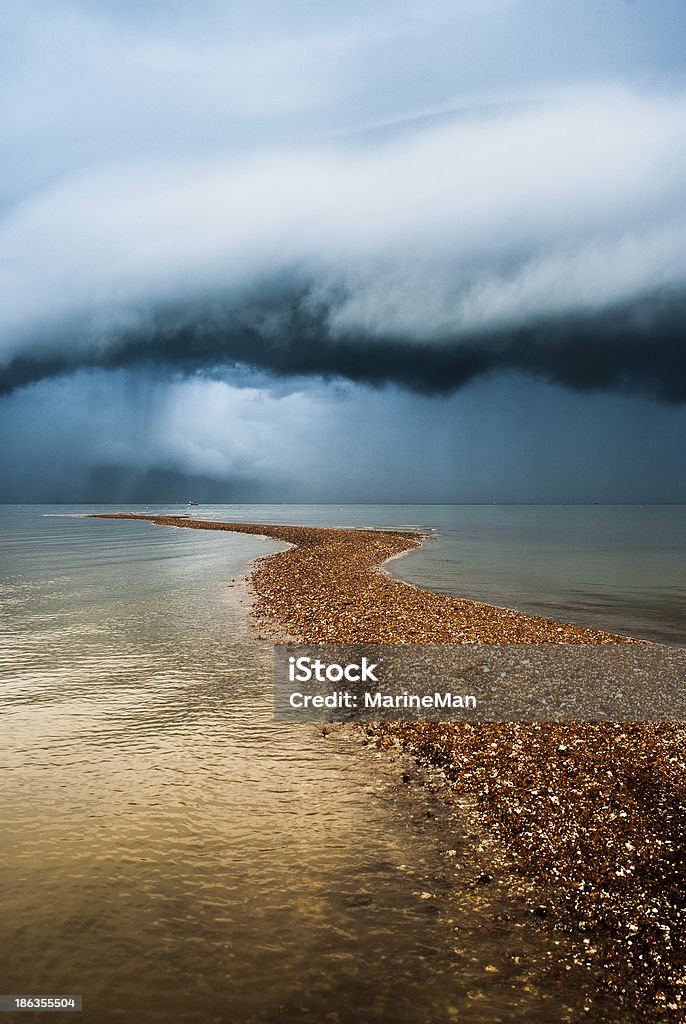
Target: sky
point(408, 251)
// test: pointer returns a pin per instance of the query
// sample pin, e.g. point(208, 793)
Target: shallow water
point(615, 567)
point(172, 854)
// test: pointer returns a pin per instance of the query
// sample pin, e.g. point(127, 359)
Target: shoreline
point(350, 599)
point(593, 813)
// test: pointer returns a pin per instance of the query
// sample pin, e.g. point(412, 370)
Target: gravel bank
point(595, 813)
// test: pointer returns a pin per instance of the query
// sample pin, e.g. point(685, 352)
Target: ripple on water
point(165, 840)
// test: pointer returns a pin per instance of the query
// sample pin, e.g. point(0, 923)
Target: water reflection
point(171, 853)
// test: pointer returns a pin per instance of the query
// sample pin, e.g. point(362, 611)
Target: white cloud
point(574, 204)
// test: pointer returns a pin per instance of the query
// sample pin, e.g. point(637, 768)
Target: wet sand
point(594, 814)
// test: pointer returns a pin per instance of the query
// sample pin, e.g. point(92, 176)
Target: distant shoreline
point(594, 813)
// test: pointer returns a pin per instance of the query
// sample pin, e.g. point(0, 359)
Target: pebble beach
point(593, 814)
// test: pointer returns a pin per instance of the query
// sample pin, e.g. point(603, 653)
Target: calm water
point(620, 567)
point(172, 854)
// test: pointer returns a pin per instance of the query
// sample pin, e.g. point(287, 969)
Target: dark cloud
point(547, 239)
point(638, 346)
point(211, 217)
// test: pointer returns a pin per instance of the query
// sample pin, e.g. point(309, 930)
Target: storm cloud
point(277, 217)
point(548, 239)
point(638, 347)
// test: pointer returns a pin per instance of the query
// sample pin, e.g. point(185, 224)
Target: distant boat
point(191, 502)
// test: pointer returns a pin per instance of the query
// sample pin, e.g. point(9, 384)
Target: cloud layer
point(225, 228)
point(549, 238)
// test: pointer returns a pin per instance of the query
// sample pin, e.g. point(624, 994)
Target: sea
point(169, 852)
